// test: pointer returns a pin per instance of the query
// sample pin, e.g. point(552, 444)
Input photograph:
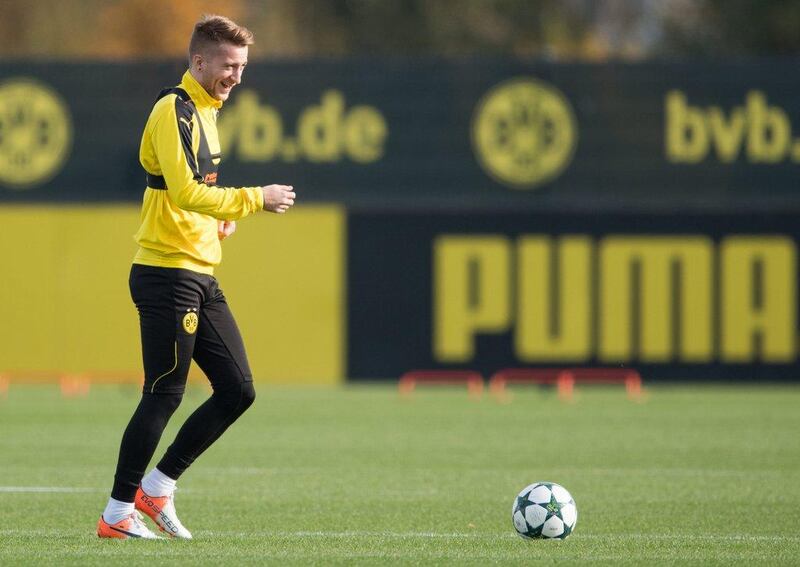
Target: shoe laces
point(138, 520)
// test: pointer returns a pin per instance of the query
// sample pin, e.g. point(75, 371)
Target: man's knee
point(248, 395)
point(163, 405)
point(236, 399)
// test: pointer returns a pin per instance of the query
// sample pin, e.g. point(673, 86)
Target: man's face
point(220, 69)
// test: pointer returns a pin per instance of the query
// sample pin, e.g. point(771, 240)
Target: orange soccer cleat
point(130, 527)
point(161, 510)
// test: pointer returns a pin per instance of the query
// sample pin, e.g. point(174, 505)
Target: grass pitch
point(357, 475)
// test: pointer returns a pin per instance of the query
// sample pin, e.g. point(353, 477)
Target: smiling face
point(219, 68)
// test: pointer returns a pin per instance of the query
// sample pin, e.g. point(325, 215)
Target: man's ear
point(197, 61)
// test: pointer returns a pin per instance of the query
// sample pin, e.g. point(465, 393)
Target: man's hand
point(225, 229)
point(278, 198)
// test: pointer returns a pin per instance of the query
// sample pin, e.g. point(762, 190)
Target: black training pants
point(183, 315)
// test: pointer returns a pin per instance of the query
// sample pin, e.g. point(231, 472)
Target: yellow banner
point(66, 306)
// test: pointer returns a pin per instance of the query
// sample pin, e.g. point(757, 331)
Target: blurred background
point(482, 184)
point(566, 30)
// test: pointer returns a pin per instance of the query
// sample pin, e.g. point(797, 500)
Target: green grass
point(702, 475)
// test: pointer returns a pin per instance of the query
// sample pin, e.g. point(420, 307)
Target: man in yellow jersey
point(182, 312)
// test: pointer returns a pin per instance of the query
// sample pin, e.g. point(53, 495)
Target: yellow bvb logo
point(35, 133)
point(524, 132)
point(190, 322)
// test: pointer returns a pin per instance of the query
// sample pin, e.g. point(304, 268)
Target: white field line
point(425, 535)
point(468, 535)
point(48, 489)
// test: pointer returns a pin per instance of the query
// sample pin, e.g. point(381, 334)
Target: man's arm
point(277, 199)
point(172, 137)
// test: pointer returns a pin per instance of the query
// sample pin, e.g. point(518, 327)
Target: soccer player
point(183, 313)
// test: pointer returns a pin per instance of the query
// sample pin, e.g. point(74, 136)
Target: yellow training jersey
point(182, 204)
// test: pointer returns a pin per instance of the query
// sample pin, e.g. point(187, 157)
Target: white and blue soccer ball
point(544, 510)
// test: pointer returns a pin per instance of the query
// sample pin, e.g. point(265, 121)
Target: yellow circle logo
point(190, 322)
point(35, 133)
point(524, 133)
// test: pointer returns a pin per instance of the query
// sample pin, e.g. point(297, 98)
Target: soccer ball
point(544, 510)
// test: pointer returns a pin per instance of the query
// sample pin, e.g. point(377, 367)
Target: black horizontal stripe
point(130, 534)
point(155, 181)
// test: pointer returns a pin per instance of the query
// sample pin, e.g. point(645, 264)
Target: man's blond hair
point(213, 30)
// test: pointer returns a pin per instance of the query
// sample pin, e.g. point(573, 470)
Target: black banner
point(700, 297)
point(428, 133)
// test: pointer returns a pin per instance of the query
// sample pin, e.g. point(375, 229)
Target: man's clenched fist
point(278, 198)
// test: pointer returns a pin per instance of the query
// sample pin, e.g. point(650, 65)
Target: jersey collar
point(198, 93)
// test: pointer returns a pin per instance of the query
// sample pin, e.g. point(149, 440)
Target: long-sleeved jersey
point(182, 204)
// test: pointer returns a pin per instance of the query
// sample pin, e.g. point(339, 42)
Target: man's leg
point(140, 441)
point(163, 301)
point(219, 351)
